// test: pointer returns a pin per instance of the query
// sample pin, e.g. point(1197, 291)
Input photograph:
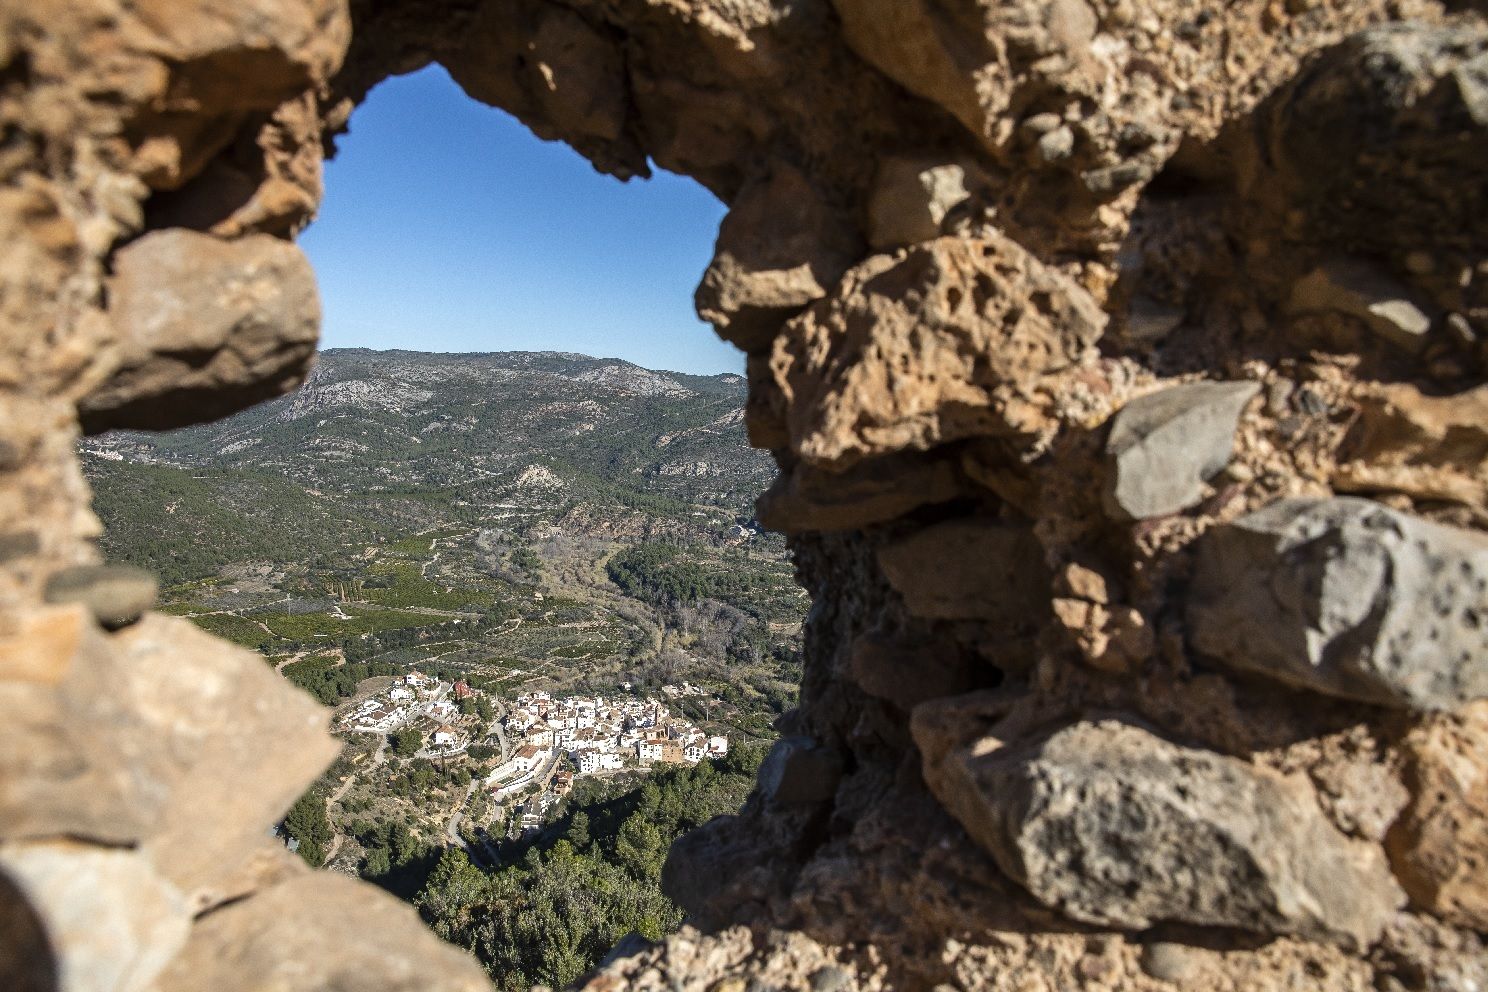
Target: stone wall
point(1124, 364)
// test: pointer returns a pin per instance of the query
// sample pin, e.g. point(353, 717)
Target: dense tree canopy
point(568, 895)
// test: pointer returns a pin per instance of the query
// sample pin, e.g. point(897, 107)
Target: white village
point(541, 744)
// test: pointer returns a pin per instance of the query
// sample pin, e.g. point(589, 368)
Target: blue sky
point(447, 226)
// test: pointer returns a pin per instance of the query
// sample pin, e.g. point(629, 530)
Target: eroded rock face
point(1164, 446)
point(1113, 825)
point(1348, 598)
point(780, 248)
point(205, 327)
point(1211, 702)
point(949, 340)
point(1440, 845)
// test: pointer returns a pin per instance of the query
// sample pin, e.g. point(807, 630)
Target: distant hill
point(391, 442)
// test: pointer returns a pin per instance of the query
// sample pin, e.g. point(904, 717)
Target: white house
point(527, 758)
point(718, 746)
point(650, 750)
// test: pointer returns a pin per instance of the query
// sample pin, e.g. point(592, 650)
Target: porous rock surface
point(1350, 598)
point(1111, 824)
point(967, 240)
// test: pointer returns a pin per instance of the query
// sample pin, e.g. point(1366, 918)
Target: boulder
point(116, 595)
point(779, 248)
point(1112, 825)
point(110, 922)
point(205, 328)
point(912, 197)
point(949, 340)
point(1348, 598)
point(970, 569)
point(315, 932)
point(159, 737)
point(1164, 446)
point(1439, 845)
point(1364, 292)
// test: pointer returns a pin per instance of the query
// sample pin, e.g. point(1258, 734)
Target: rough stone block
point(1113, 825)
point(779, 248)
point(1165, 445)
point(1439, 846)
point(949, 340)
point(1349, 598)
point(110, 922)
point(316, 932)
point(206, 327)
point(116, 595)
point(806, 498)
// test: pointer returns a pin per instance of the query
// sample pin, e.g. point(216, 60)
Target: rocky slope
point(365, 419)
point(1122, 364)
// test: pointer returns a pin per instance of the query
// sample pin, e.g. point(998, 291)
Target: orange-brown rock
point(948, 340)
point(1427, 447)
point(970, 569)
point(1439, 846)
point(780, 248)
point(873, 491)
point(204, 327)
point(262, 943)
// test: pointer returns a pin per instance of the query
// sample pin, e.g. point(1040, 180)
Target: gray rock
point(1112, 825)
point(626, 947)
point(1165, 445)
point(1349, 598)
point(798, 771)
point(830, 979)
point(1112, 180)
point(116, 595)
point(1363, 291)
point(1171, 962)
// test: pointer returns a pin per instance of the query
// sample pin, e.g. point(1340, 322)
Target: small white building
point(650, 750)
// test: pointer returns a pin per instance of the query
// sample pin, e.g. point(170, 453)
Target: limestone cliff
point(1123, 364)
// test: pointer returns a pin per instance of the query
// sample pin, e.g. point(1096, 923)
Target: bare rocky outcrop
point(1125, 358)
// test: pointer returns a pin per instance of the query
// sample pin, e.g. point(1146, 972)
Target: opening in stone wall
point(524, 570)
